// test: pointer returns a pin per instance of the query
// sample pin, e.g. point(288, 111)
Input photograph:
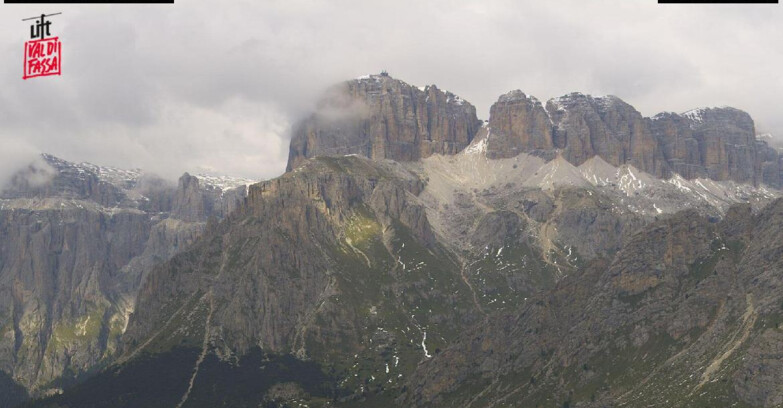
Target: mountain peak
point(381, 117)
point(717, 143)
point(517, 95)
point(383, 75)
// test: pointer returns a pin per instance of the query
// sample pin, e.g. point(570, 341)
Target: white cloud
point(14, 155)
point(198, 85)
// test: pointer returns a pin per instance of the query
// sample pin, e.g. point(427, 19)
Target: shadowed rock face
point(76, 242)
point(195, 202)
point(606, 127)
point(349, 264)
point(688, 313)
point(463, 279)
point(384, 118)
point(680, 147)
point(715, 143)
point(335, 263)
point(728, 148)
point(519, 124)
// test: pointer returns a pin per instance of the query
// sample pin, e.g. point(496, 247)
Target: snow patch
point(224, 183)
point(695, 115)
point(424, 346)
point(477, 147)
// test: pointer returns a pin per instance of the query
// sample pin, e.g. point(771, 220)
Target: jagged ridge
point(381, 117)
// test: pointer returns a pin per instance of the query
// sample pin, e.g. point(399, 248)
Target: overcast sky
point(213, 86)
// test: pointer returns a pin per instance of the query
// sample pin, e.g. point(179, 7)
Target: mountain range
point(571, 253)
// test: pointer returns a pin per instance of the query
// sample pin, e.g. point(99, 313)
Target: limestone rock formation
point(684, 315)
point(681, 148)
point(384, 118)
point(195, 200)
point(519, 124)
point(714, 143)
point(77, 241)
point(718, 143)
point(606, 127)
point(567, 254)
point(769, 163)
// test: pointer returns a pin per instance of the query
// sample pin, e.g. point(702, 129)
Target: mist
point(215, 89)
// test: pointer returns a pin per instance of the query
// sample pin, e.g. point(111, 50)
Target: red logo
point(42, 57)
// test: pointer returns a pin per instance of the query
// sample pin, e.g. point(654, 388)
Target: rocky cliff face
point(680, 317)
point(770, 164)
point(335, 263)
point(195, 200)
point(77, 241)
point(605, 127)
point(715, 143)
point(381, 117)
point(519, 124)
point(384, 118)
point(541, 260)
point(432, 283)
